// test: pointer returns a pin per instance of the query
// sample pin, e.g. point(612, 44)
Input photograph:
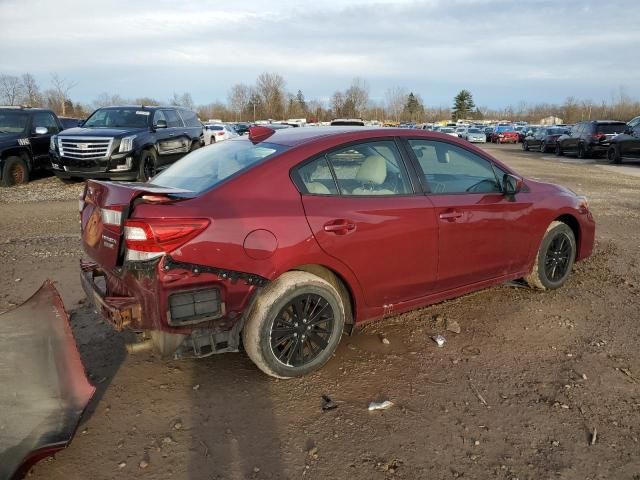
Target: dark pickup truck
point(125, 143)
point(25, 134)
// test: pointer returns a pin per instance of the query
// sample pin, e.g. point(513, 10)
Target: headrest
point(373, 170)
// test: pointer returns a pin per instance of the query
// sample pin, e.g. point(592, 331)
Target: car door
point(175, 143)
point(634, 143)
point(482, 234)
point(363, 211)
point(40, 141)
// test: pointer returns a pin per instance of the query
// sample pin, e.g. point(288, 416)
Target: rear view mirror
point(41, 130)
point(160, 124)
point(511, 184)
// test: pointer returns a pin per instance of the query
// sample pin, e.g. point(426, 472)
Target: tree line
point(269, 98)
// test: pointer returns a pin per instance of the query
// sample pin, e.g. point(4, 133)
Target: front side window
point(206, 167)
point(118, 118)
point(157, 116)
point(46, 120)
point(449, 169)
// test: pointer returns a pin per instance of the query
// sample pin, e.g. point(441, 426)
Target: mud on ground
point(516, 395)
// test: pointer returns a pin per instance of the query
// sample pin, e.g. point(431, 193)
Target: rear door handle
point(339, 227)
point(451, 215)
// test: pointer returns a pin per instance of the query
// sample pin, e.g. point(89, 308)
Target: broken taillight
point(151, 238)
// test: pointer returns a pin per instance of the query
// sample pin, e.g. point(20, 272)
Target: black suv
point(125, 143)
point(627, 144)
point(589, 138)
point(24, 142)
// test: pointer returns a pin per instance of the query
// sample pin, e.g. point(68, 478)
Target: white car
point(217, 132)
point(449, 131)
point(475, 135)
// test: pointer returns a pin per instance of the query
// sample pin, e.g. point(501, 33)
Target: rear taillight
point(111, 216)
point(220, 133)
point(598, 136)
point(152, 238)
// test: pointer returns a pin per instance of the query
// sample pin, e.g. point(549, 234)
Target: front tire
point(525, 146)
point(543, 147)
point(14, 172)
point(559, 151)
point(555, 258)
point(147, 165)
point(582, 153)
point(295, 325)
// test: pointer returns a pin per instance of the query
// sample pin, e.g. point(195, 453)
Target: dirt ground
point(516, 395)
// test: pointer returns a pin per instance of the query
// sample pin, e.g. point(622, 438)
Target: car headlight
point(126, 144)
point(52, 142)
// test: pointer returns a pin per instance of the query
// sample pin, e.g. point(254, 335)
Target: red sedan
point(504, 134)
point(289, 238)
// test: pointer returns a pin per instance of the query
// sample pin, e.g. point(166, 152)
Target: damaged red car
point(284, 240)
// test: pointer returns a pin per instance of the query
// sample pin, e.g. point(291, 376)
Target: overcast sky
point(504, 51)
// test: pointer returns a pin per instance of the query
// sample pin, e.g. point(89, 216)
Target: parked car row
point(610, 140)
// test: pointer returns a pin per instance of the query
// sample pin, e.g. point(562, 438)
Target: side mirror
point(160, 124)
point(511, 184)
point(80, 123)
point(41, 130)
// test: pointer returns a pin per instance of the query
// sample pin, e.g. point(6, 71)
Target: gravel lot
point(516, 394)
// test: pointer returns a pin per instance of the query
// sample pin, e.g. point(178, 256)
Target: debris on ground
point(384, 340)
point(440, 340)
point(380, 405)
point(594, 436)
point(143, 464)
point(327, 403)
point(452, 326)
point(475, 390)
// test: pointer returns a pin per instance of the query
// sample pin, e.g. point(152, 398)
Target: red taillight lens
point(598, 136)
point(220, 133)
point(150, 238)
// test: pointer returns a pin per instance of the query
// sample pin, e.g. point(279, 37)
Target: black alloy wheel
point(301, 330)
point(543, 147)
point(558, 257)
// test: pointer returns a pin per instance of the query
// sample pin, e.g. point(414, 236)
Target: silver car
point(475, 135)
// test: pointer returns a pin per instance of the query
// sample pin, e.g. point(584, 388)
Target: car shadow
point(234, 432)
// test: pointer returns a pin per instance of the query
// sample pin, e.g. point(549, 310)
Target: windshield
point(119, 118)
point(206, 167)
point(446, 130)
point(611, 128)
point(474, 130)
point(13, 122)
point(504, 128)
point(556, 131)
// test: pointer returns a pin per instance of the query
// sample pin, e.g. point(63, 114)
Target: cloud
point(501, 50)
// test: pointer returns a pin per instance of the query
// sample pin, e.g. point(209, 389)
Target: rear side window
point(172, 119)
point(371, 168)
point(610, 128)
point(207, 167)
point(190, 119)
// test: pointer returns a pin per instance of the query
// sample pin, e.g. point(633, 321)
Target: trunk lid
point(104, 206)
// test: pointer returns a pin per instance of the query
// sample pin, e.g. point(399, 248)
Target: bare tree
point(61, 89)
point(357, 95)
point(337, 103)
point(10, 89)
point(395, 99)
point(270, 88)
point(30, 91)
point(106, 100)
point(238, 99)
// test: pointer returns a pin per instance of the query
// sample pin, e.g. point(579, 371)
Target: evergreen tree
point(463, 105)
point(302, 104)
point(413, 107)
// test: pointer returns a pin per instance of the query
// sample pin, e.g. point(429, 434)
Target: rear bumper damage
point(44, 387)
point(205, 306)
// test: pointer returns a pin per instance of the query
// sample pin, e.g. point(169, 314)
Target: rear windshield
point(208, 166)
point(474, 130)
point(556, 131)
point(610, 127)
point(447, 130)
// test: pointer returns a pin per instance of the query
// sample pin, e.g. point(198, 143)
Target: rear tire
point(14, 172)
point(543, 147)
point(554, 259)
point(559, 151)
point(274, 336)
point(582, 153)
point(613, 155)
point(525, 146)
point(147, 165)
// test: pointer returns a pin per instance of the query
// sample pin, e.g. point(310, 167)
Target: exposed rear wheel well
point(571, 221)
point(340, 285)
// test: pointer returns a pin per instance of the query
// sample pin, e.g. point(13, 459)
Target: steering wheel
point(476, 186)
